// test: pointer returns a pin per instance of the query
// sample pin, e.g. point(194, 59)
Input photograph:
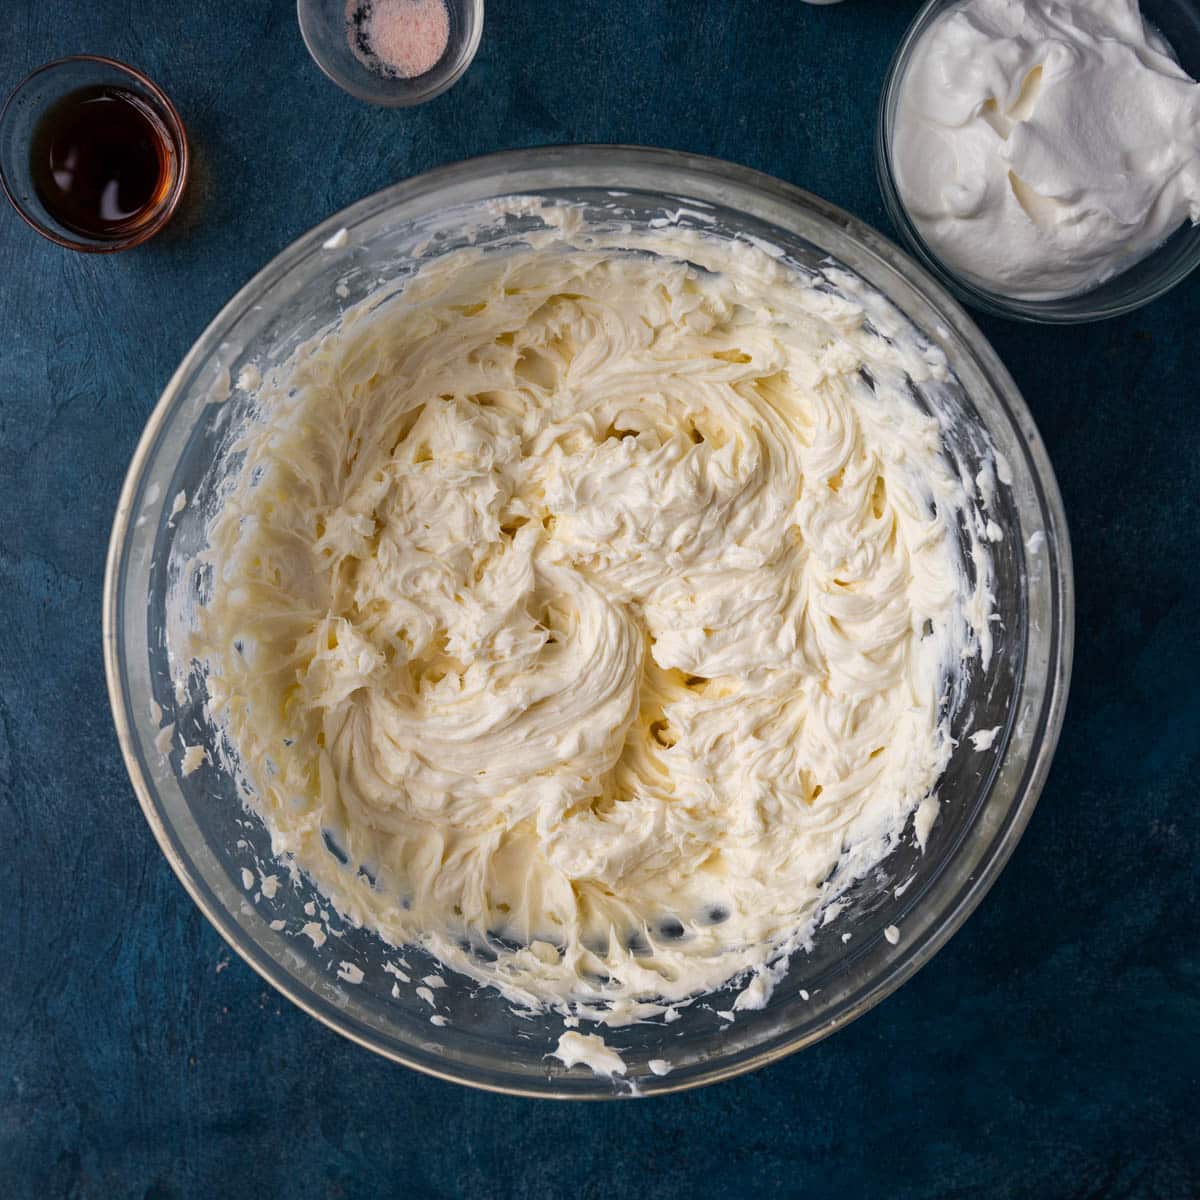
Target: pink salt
point(399, 37)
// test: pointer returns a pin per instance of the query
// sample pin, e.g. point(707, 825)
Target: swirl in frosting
point(597, 605)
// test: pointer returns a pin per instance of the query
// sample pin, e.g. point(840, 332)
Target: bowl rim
point(1049, 714)
point(170, 203)
point(1065, 310)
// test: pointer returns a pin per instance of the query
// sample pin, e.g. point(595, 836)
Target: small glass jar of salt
point(392, 52)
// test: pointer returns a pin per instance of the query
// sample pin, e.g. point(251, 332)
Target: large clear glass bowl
point(220, 851)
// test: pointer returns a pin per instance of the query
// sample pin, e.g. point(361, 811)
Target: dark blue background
point(1051, 1049)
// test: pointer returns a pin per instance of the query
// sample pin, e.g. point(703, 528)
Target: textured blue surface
point(1050, 1049)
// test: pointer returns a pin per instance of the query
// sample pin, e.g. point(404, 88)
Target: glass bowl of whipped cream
point(588, 622)
point(1041, 159)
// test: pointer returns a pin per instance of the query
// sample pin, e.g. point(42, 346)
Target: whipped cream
point(589, 1050)
point(1042, 146)
point(588, 615)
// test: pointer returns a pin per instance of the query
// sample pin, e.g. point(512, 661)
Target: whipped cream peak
point(1042, 146)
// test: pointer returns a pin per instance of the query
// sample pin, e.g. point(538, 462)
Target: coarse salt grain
point(402, 38)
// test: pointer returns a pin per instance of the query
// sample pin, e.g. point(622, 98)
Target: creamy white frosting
point(589, 1050)
point(1042, 146)
point(596, 608)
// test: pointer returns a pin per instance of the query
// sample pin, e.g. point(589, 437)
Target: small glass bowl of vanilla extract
point(93, 154)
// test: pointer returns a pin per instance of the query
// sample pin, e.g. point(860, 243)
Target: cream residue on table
point(594, 607)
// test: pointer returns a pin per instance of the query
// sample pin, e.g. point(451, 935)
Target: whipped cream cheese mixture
point(596, 607)
point(1042, 146)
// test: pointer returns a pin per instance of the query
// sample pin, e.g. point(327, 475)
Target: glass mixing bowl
point(221, 852)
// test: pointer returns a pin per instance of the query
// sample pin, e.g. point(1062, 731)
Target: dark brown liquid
point(102, 161)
